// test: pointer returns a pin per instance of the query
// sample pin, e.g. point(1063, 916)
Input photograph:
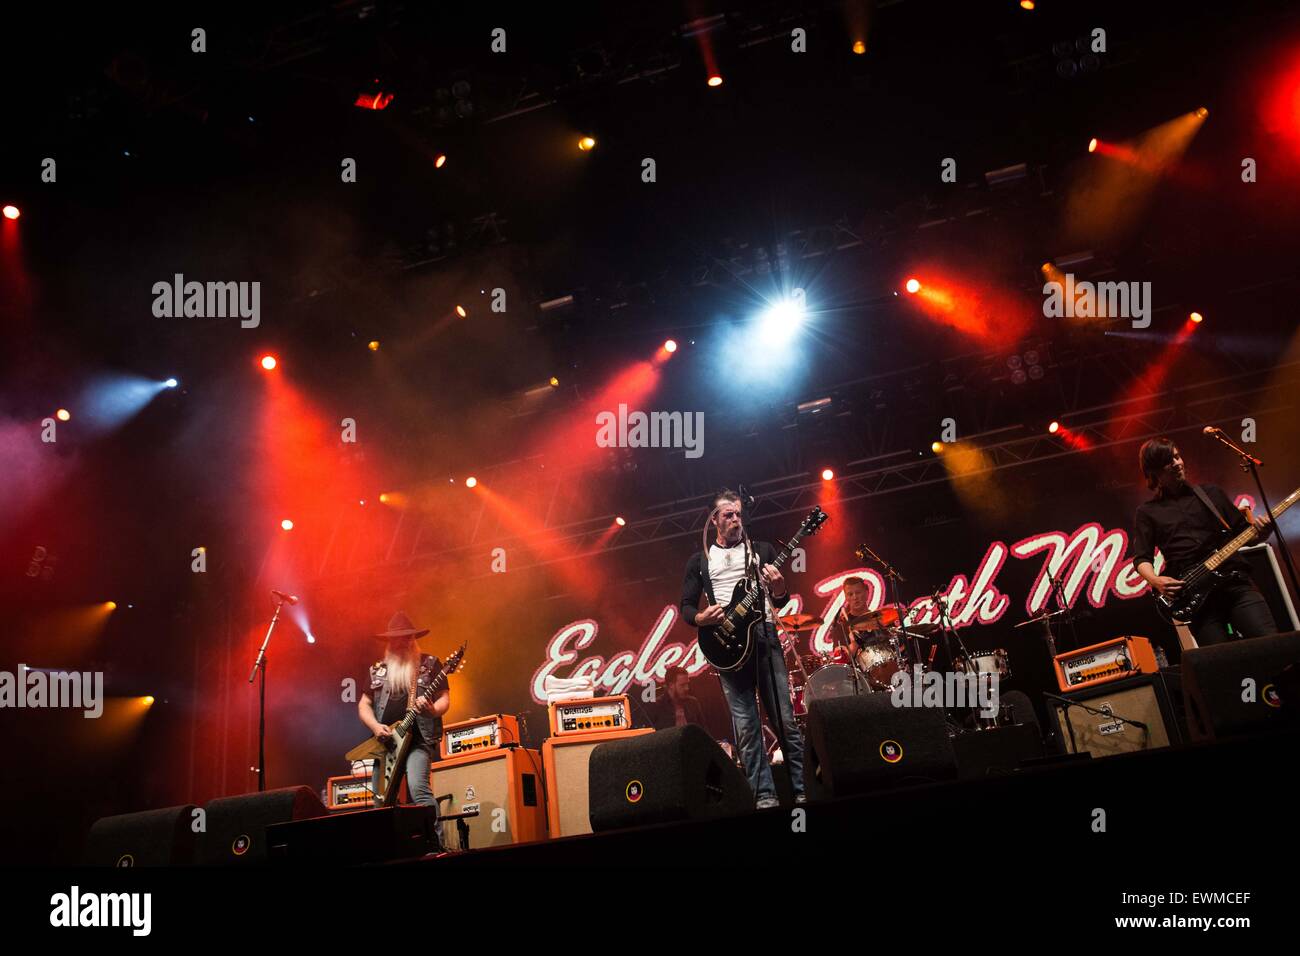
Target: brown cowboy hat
point(400, 626)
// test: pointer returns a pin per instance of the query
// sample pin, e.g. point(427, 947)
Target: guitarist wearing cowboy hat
point(402, 674)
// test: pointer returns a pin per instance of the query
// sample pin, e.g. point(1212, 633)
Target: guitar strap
point(1205, 500)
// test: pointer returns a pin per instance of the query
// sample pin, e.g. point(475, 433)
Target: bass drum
point(833, 680)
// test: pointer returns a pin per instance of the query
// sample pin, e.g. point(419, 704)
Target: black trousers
point(1240, 604)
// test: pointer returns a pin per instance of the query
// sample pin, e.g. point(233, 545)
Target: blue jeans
point(765, 672)
point(417, 776)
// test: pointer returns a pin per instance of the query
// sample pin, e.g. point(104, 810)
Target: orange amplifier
point(504, 785)
point(481, 733)
point(566, 760)
point(349, 792)
point(1101, 663)
point(590, 716)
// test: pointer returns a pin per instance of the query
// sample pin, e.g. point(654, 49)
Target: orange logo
point(891, 751)
point(634, 791)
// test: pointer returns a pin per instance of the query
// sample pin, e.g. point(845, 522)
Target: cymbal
point(873, 620)
point(798, 622)
point(920, 630)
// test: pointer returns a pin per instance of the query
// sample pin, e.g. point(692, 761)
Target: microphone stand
point(1058, 590)
point(1251, 464)
point(891, 572)
point(259, 668)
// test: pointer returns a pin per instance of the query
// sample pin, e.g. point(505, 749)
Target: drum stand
point(894, 578)
point(950, 633)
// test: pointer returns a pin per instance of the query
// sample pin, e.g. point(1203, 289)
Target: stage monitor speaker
point(357, 836)
point(503, 786)
point(676, 774)
point(1151, 699)
point(997, 750)
point(236, 826)
point(1217, 681)
point(864, 743)
point(567, 762)
point(150, 838)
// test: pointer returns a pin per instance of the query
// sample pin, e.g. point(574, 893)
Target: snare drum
point(990, 662)
point(880, 661)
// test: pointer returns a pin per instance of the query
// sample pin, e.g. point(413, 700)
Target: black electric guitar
point(392, 750)
point(728, 644)
point(1202, 580)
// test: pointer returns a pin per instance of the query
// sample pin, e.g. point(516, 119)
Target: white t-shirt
point(726, 567)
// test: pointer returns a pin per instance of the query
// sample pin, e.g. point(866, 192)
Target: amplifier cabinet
point(1151, 699)
point(503, 785)
point(566, 760)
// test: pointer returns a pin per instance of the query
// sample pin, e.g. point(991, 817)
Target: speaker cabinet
point(149, 838)
point(997, 750)
point(236, 826)
point(670, 775)
point(1215, 679)
point(357, 836)
point(567, 761)
point(864, 743)
point(503, 785)
point(1151, 699)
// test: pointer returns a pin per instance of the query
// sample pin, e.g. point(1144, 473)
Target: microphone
point(284, 598)
point(1211, 430)
point(746, 499)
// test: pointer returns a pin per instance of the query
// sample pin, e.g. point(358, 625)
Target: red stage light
point(286, 524)
point(1054, 427)
point(670, 346)
point(460, 310)
point(471, 481)
point(268, 362)
point(1197, 317)
point(619, 521)
point(440, 161)
point(1092, 145)
point(715, 80)
point(12, 212)
point(373, 101)
point(63, 414)
point(913, 286)
point(827, 474)
point(859, 47)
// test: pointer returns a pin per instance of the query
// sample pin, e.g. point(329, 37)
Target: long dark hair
point(1153, 457)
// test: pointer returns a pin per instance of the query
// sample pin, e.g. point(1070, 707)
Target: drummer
point(855, 604)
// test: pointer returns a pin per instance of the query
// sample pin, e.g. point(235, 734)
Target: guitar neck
point(1247, 536)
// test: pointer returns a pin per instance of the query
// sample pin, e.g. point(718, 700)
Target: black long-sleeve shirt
point(1179, 524)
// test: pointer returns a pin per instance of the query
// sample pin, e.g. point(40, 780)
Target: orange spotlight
point(1026, 4)
point(63, 415)
point(1202, 112)
point(383, 498)
point(555, 382)
point(1092, 145)
point(936, 447)
point(471, 481)
point(460, 310)
point(1054, 427)
point(286, 524)
point(111, 605)
point(441, 161)
point(859, 47)
point(147, 700)
point(715, 80)
point(670, 346)
point(620, 521)
point(1197, 317)
point(827, 474)
point(373, 345)
point(913, 286)
point(587, 144)
point(269, 362)
point(12, 212)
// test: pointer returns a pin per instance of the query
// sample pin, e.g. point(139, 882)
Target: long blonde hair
point(403, 670)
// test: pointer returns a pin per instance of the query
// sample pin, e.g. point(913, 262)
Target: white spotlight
point(779, 323)
point(171, 383)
